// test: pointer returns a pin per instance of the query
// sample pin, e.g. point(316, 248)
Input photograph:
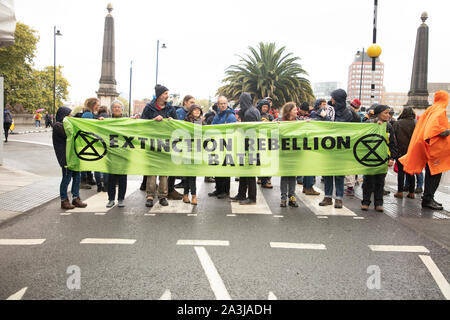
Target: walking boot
point(283, 204)
point(293, 202)
point(326, 202)
point(411, 195)
point(66, 205)
point(398, 195)
point(365, 207)
point(186, 199)
point(338, 204)
point(310, 192)
point(78, 203)
point(194, 200)
point(174, 195)
point(379, 208)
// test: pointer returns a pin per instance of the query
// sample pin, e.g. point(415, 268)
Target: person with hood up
point(59, 138)
point(429, 148)
point(375, 183)
point(188, 101)
point(247, 113)
point(194, 115)
point(404, 129)
point(263, 107)
point(159, 109)
point(343, 114)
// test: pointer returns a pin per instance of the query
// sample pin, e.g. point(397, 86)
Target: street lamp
point(157, 57)
point(131, 77)
point(55, 33)
point(358, 55)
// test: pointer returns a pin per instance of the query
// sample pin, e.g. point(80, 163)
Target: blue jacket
point(151, 111)
point(181, 113)
point(227, 116)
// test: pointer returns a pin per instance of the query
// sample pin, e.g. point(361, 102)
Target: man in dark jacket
point(212, 112)
point(159, 109)
point(7, 122)
point(247, 113)
point(375, 183)
point(59, 144)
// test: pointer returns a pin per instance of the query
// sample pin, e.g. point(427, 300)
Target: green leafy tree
point(265, 72)
point(25, 85)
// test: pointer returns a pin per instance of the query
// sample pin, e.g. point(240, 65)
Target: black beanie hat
point(159, 90)
point(380, 108)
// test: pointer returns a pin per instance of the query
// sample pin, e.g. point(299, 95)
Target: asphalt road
point(323, 256)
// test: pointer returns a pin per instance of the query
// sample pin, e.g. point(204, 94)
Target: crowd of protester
point(399, 134)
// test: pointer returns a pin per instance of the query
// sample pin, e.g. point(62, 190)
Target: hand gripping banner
point(178, 148)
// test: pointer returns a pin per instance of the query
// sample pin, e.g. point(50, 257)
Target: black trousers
point(171, 183)
point(113, 179)
point(401, 179)
point(6, 127)
point(247, 184)
point(222, 185)
point(190, 183)
point(373, 184)
point(431, 185)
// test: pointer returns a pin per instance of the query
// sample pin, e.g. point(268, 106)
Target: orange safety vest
point(426, 145)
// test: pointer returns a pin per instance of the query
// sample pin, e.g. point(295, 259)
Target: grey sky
point(204, 37)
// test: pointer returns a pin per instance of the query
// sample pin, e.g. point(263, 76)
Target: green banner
point(178, 148)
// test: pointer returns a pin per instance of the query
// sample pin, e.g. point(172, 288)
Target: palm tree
point(268, 73)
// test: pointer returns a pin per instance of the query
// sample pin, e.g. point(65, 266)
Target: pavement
point(218, 249)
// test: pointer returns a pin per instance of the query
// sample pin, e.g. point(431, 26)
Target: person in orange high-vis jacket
point(430, 148)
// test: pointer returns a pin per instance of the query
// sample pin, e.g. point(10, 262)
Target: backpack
point(7, 117)
point(36, 117)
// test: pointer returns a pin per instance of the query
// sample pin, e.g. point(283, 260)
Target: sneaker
point(247, 202)
point(418, 190)
point(149, 203)
point(365, 207)
point(120, 204)
point(163, 202)
point(174, 195)
point(267, 186)
point(338, 204)
point(398, 195)
point(110, 204)
point(326, 202)
point(293, 202)
point(283, 204)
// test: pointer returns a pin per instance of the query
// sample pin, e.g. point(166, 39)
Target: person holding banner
point(263, 107)
point(159, 109)
point(375, 183)
point(247, 113)
point(113, 179)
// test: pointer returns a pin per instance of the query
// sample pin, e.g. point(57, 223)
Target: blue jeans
point(339, 185)
point(308, 182)
point(299, 179)
point(67, 176)
point(38, 122)
point(419, 179)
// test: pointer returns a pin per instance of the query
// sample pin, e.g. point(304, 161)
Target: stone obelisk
point(418, 95)
point(107, 92)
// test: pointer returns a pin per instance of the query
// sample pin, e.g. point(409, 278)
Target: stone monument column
point(418, 95)
point(107, 92)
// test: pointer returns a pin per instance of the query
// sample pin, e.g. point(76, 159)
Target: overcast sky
point(203, 38)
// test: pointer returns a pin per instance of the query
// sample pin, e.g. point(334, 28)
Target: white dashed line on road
point(203, 243)
point(417, 249)
point(21, 242)
point(18, 295)
point(167, 295)
point(305, 246)
point(437, 276)
point(359, 218)
point(215, 281)
point(107, 241)
point(272, 296)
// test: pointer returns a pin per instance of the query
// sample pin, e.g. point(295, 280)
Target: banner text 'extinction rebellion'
point(178, 148)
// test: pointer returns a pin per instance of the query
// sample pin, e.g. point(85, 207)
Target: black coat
point(248, 113)
point(151, 111)
point(59, 136)
point(404, 129)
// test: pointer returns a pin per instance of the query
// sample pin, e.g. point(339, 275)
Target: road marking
point(215, 281)
point(419, 249)
point(107, 241)
point(272, 296)
point(192, 215)
point(150, 215)
point(167, 295)
point(203, 243)
point(33, 142)
point(322, 217)
point(19, 295)
point(437, 275)
point(261, 206)
point(100, 213)
point(231, 215)
point(278, 216)
point(307, 246)
point(312, 202)
point(97, 203)
point(21, 242)
point(359, 218)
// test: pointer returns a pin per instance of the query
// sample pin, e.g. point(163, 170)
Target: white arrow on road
point(18, 295)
